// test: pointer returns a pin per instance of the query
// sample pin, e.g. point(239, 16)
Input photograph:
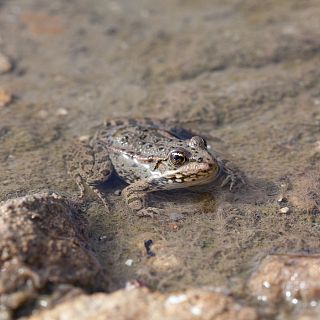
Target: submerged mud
point(243, 75)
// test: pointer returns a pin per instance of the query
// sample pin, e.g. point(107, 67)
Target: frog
point(149, 155)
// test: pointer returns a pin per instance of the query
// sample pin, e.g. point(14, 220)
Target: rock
point(5, 98)
point(284, 210)
point(129, 262)
point(62, 112)
point(140, 304)
point(308, 313)
point(292, 278)
point(41, 245)
point(5, 64)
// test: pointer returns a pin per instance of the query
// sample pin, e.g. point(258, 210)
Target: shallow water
point(246, 76)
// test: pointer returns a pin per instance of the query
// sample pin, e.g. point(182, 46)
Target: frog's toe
point(135, 204)
point(225, 181)
point(232, 179)
point(148, 212)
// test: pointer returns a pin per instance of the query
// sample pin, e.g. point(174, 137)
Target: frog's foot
point(134, 196)
point(81, 186)
point(90, 166)
point(102, 198)
point(97, 192)
point(230, 177)
point(136, 203)
point(149, 212)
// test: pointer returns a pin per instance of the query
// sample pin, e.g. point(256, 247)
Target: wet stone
point(42, 246)
point(192, 304)
point(291, 278)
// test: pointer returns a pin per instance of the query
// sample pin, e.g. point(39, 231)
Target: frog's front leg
point(135, 198)
point(90, 165)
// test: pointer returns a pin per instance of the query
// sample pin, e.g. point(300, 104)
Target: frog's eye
point(198, 142)
point(177, 157)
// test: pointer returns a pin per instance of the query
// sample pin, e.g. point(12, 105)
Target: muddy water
point(246, 76)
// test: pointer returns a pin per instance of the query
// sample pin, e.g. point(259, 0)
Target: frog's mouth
point(192, 173)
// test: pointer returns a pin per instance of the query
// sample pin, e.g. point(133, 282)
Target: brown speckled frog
point(147, 157)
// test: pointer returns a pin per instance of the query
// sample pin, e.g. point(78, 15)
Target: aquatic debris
point(147, 245)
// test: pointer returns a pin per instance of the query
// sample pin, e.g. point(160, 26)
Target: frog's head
point(190, 164)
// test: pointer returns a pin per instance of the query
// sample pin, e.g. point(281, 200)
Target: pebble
point(84, 138)
point(284, 210)
point(282, 199)
point(5, 98)
point(43, 114)
point(5, 64)
point(129, 262)
point(62, 112)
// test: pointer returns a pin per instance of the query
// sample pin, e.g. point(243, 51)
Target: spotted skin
point(149, 157)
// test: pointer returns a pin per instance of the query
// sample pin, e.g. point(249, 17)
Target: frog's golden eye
point(198, 142)
point(177, 157)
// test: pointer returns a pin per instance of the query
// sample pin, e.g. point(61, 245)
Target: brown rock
point(294, 278)
point(5, 98)
point(42, 23)
point(41, 244)
point(141, 304)
point(5, 64)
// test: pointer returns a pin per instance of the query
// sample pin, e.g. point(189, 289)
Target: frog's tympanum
point(148, 157)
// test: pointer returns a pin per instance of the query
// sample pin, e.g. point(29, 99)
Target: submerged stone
point(42, 246)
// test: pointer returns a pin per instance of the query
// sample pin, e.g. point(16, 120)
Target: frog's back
point(138, 138)
point(135, 146)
